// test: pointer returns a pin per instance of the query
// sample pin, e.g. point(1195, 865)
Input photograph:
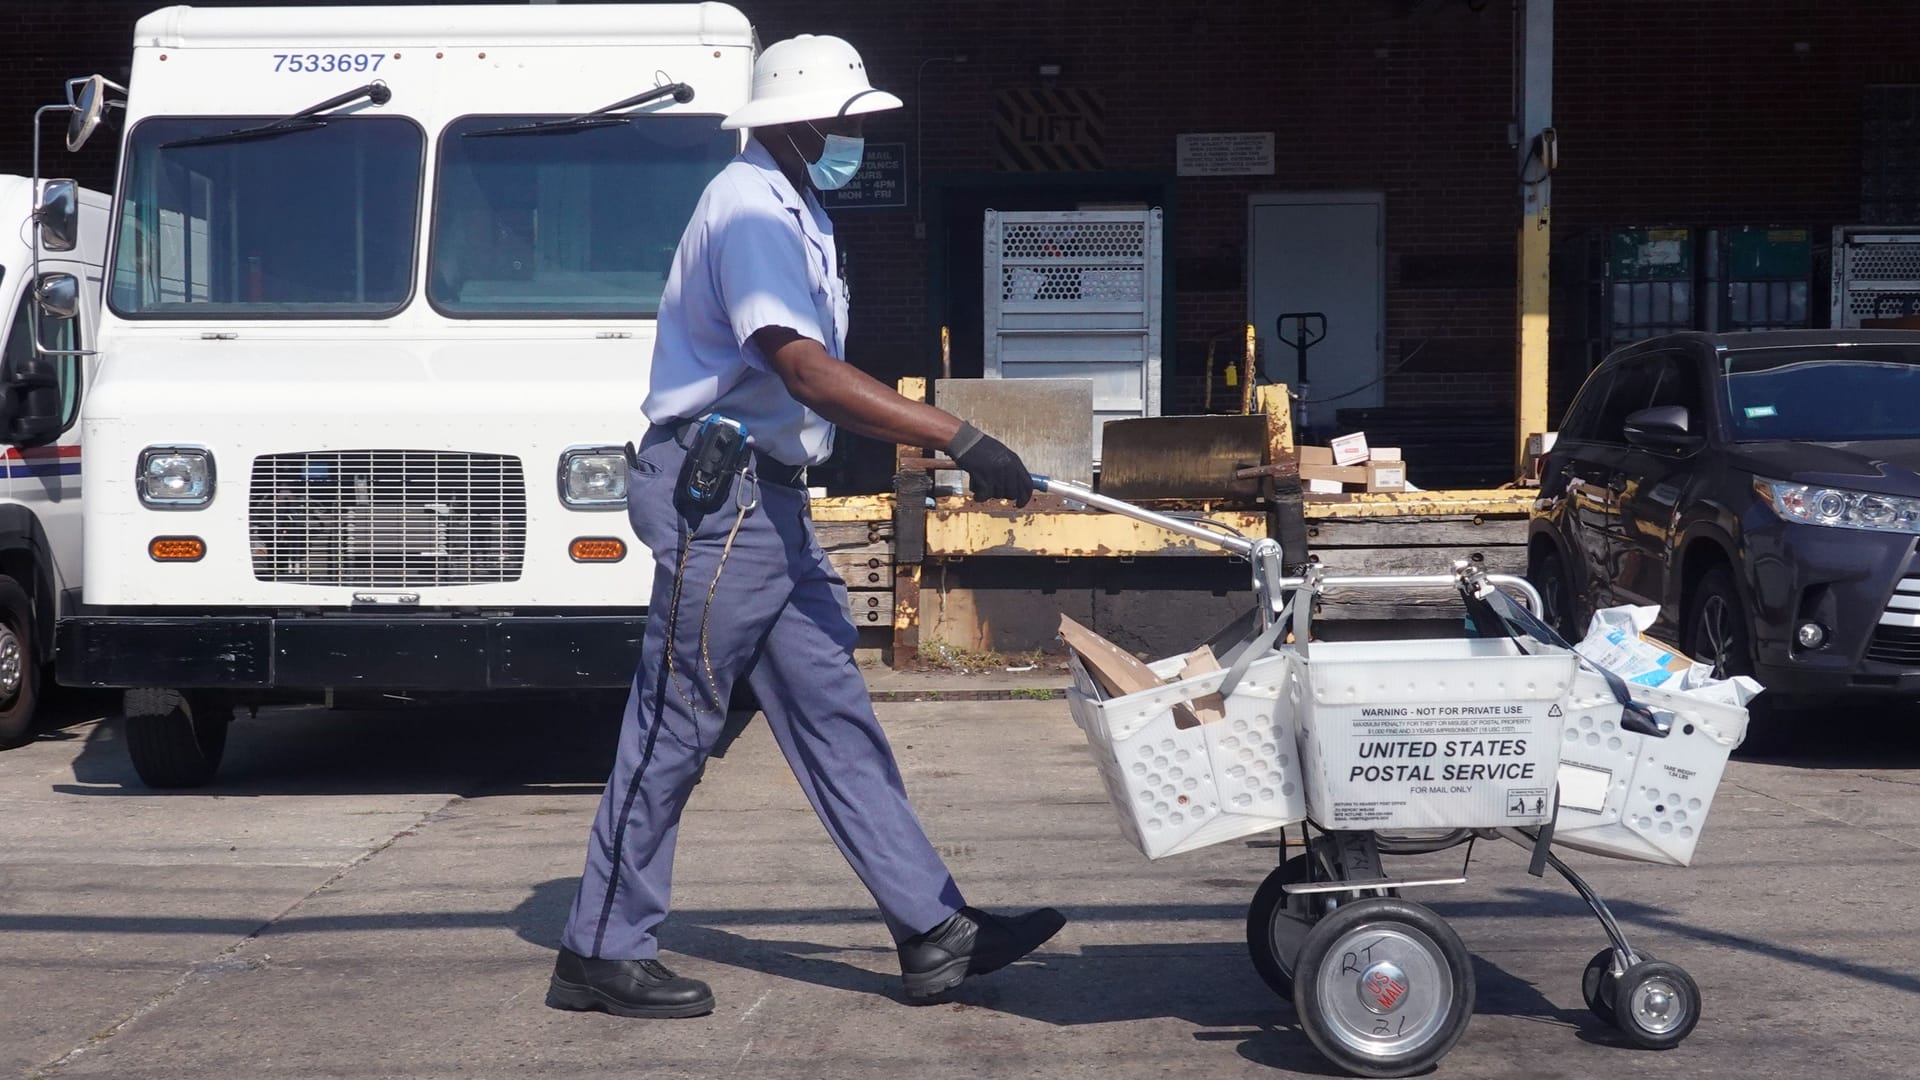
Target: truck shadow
point(546, 745)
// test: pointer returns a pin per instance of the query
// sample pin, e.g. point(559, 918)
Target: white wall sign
point(1225, 153)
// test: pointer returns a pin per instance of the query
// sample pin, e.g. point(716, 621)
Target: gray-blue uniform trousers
point(757, 253)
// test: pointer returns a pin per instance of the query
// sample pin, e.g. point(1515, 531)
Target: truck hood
point(1888, 467)
point(367, 378)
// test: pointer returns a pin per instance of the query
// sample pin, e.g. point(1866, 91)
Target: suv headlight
point(175, 478)
point(1841, 509)
point(594, 478)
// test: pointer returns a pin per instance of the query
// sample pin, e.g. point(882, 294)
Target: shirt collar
point(758, 156)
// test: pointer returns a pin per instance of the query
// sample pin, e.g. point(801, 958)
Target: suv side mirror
point(58, 215)
point(1663, 427)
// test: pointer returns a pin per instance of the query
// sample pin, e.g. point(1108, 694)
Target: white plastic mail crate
point(1178, 789)
point(1455, 733)
point(1642, 797)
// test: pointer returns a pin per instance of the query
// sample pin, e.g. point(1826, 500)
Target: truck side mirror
point(58, 296)
point(58, 215)
point(89, 105)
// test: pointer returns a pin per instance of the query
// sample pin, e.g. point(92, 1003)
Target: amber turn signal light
point(598, 549)
point(177, 548)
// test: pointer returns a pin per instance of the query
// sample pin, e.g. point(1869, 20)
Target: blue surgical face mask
point(838, 163)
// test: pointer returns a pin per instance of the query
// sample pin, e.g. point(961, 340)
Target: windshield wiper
point(601, 117)
point(305, 119)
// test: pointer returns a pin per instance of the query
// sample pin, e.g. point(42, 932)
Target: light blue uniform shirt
point(756, 254)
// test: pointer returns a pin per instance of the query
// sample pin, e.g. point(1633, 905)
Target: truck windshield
point(1835, 394)
point(313, 222)
point(574, 223)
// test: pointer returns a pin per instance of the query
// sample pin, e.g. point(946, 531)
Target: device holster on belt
point(719, 451)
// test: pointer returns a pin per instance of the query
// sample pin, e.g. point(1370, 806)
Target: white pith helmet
point(809, 77)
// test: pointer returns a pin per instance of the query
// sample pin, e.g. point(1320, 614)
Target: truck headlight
point(1841, 509)
point(594, 478)
point(175, 478)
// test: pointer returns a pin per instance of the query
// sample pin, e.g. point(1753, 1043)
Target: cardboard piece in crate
point(1183, 767)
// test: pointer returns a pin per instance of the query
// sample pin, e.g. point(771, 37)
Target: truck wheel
point(175, 738)
point(19, 665)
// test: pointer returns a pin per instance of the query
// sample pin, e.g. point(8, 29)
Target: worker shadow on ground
point(487, 748)
point(1070, 982)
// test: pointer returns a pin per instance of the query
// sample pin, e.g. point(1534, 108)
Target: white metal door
point(1075, 294)
point(1320, 253)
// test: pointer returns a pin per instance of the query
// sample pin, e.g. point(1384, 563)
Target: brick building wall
point(1703, 112)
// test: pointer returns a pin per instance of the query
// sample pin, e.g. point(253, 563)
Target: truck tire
point(175, 738)
point(19, 666)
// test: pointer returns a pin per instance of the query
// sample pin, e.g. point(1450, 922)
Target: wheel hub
point(1656, 1005)
point(1383, 987)
point(12, 665)
point(1388, 989)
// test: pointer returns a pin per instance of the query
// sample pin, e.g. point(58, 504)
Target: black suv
point(1762, 489)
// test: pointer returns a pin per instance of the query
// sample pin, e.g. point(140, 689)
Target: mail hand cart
point(1402, 747)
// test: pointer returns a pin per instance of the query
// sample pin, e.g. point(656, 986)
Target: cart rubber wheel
point(1384, 987)
point(1656, 1004)
point(175, 739)
point(1596, 985)
point(1277, 925)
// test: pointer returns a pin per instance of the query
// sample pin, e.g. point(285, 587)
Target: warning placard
point(1454, 765)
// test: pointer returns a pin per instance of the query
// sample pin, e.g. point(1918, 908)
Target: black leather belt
point(769, 470)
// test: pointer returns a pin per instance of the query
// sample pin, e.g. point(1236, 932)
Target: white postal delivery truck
point(40, 388)
point(378, 317)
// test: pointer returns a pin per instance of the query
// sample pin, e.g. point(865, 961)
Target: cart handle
point(1240, 545)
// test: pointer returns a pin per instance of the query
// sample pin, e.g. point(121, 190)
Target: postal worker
point(751, 337)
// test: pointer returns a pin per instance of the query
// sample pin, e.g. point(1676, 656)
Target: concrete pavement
point(379, 895)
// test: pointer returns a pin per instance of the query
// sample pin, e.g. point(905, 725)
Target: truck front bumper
point(363, 652)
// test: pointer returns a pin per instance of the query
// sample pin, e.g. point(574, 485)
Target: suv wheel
point(1718, 634)
point(1549, 575)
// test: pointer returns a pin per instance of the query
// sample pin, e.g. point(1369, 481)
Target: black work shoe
point(971, 942)
point(644, 988)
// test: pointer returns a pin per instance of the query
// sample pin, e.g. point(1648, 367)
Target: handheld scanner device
point(719, 452)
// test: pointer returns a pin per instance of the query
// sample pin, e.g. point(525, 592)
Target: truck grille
point(387, 518)
point(1897, 639)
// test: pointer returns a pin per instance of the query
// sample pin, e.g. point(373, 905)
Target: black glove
point(994, 471)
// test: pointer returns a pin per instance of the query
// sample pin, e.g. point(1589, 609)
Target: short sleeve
point(760, 271)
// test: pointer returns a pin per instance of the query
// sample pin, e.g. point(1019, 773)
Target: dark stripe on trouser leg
point(640, 771)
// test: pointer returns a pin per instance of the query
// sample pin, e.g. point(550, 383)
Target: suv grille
point(1897, 639)
point(387, 518)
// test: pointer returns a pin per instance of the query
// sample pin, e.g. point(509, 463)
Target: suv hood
point(1887, 467)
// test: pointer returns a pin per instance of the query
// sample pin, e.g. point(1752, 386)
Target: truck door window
point(571, 224)
point(54, 334)
point(310, 223)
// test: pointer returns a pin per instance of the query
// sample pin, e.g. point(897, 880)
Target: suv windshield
point(1835, 394)
point(315, 222)
point(579, 222)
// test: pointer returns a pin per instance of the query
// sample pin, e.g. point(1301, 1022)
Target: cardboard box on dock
point(1334, 470)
